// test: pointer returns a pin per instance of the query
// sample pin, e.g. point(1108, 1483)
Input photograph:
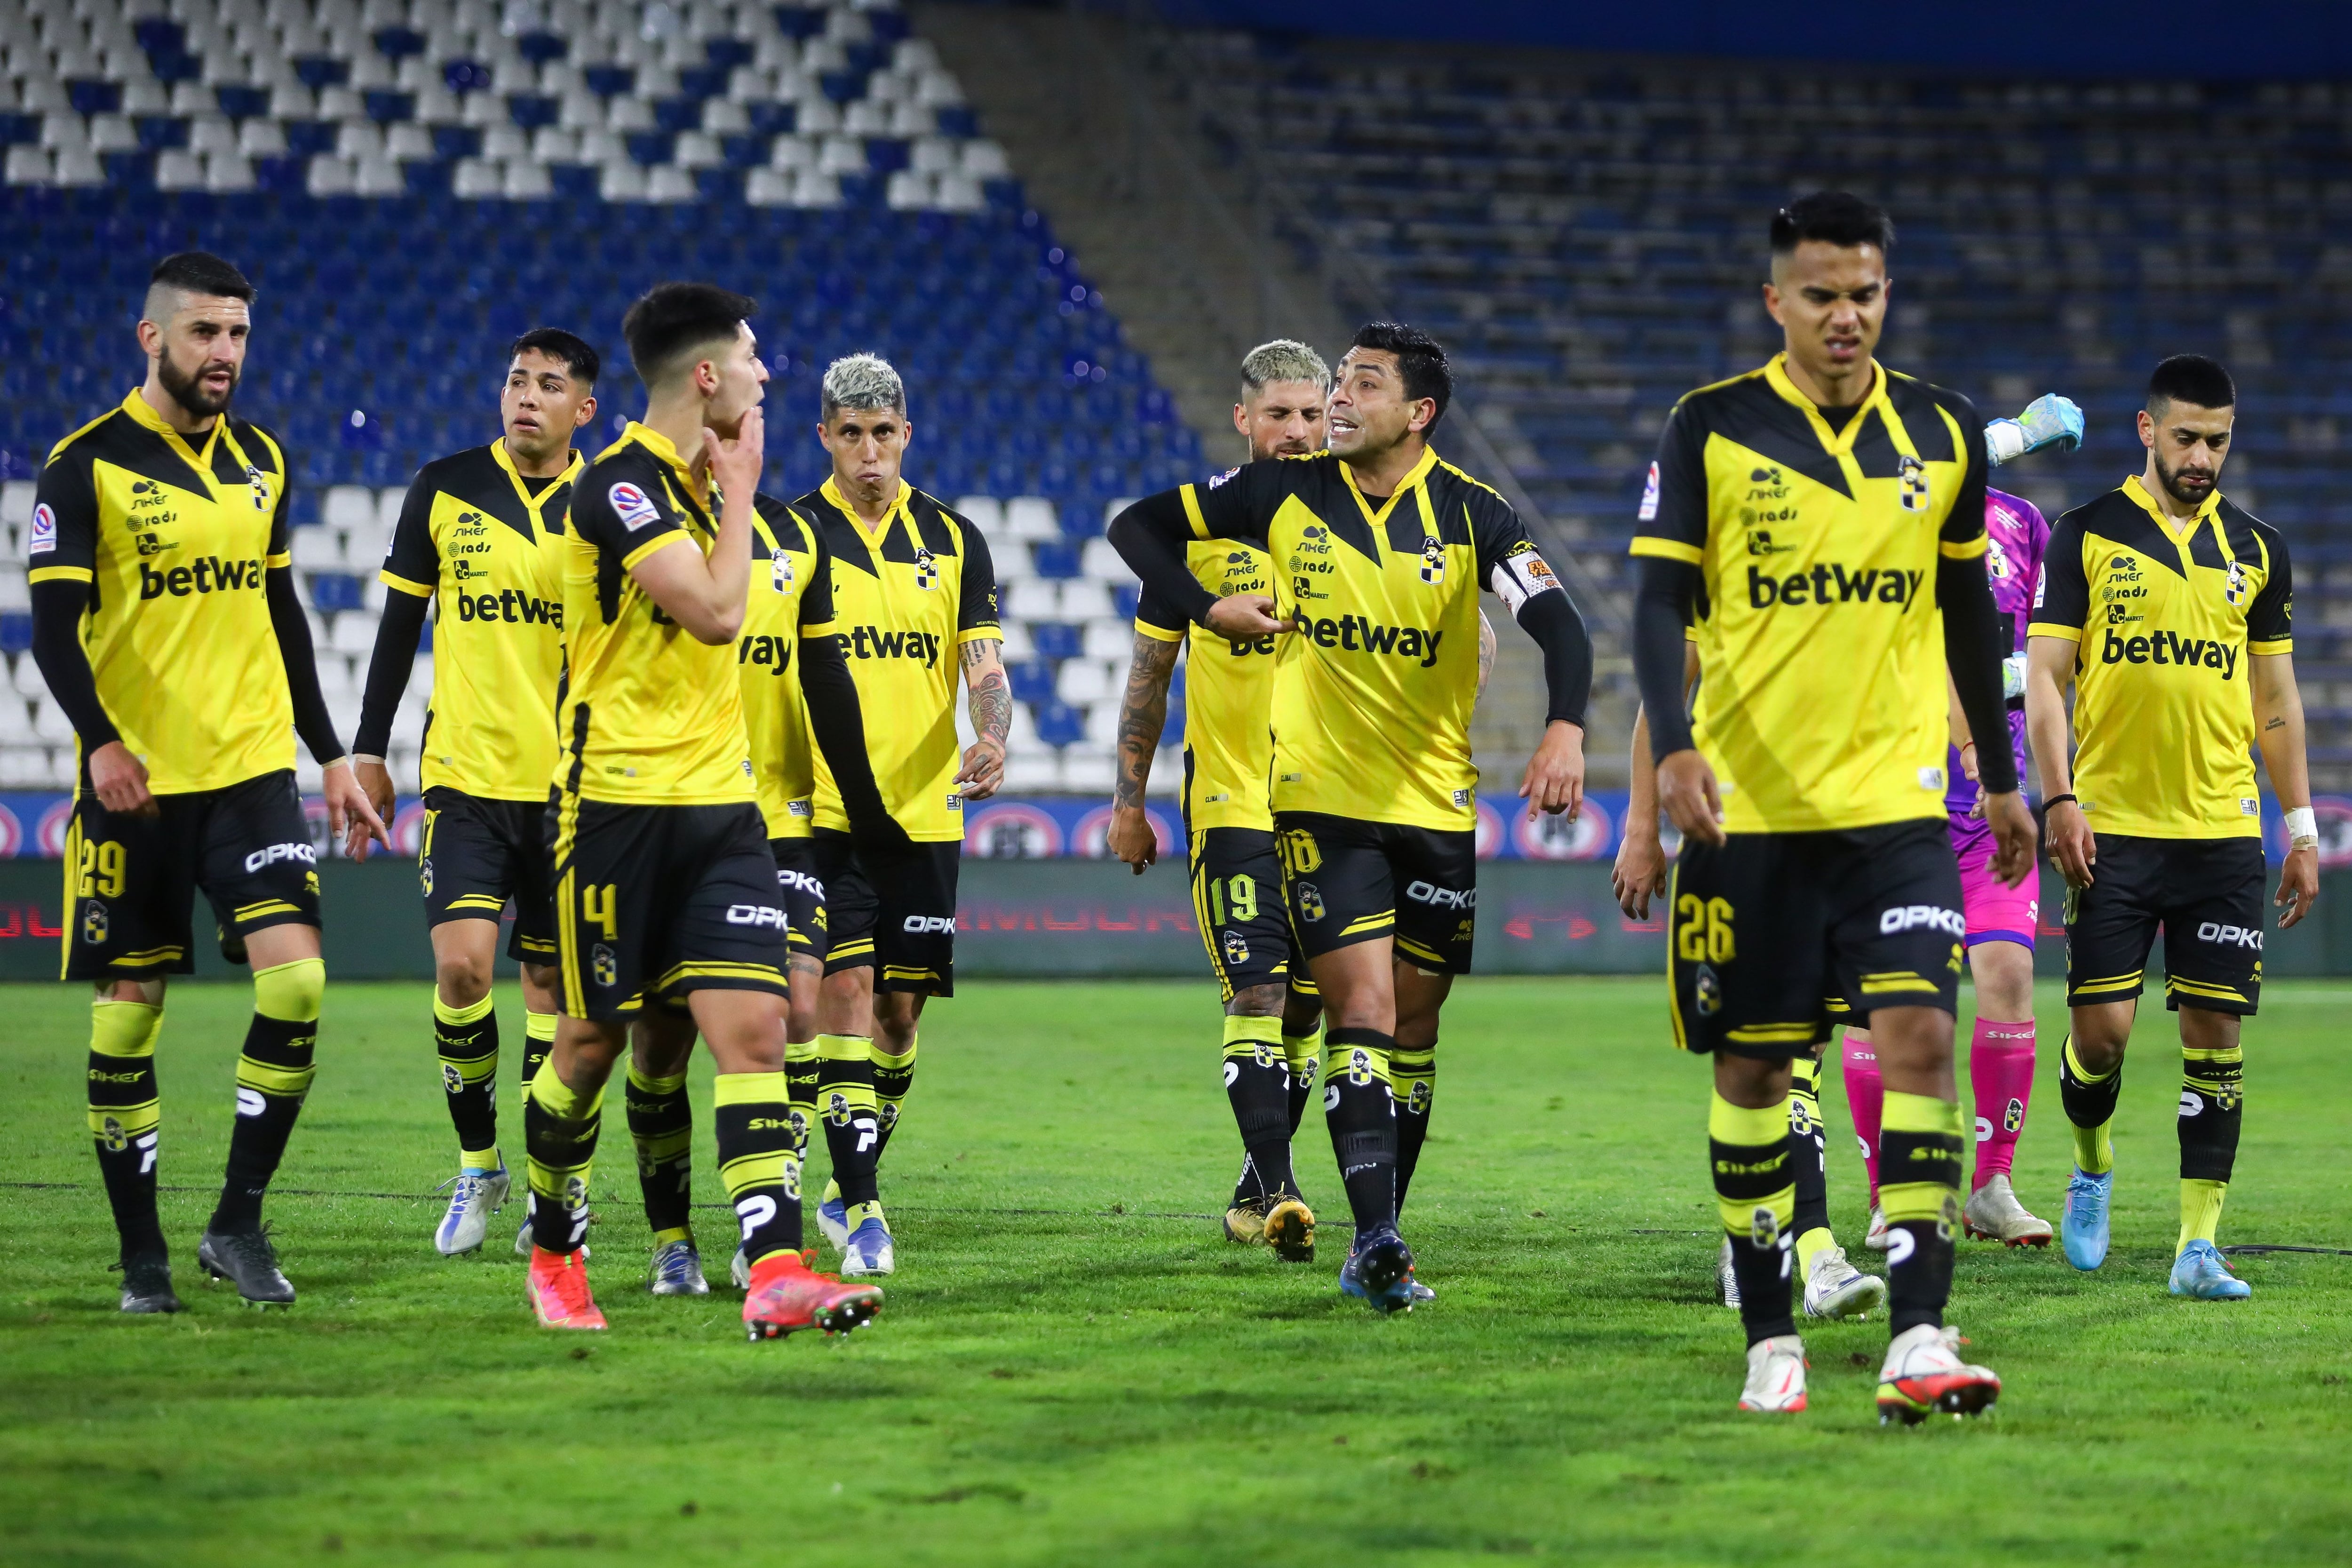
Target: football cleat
point(833, 1218)
point(147, 1284)
point(1379, 1271)
point(677, 1269)
point(246, 1260)
point(1836, 1288)
point(1874, 1238)
point(2200, 1271)
point(1993, 1214)
point(1245, 1223)
point(1289, 1229)
point(785, 1295)
point(1775, 1375)
point(1422, 1293)
point(869, 1250)
point(475, 1195)
point(1924, 1375)
point(2083, 1227)
point(558, 1289)
point(1727, 1278)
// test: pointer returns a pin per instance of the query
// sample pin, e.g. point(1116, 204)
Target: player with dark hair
point(665, 907)
point(1808, 783)
point(2171, 611)
point(476, 537)
point(1380, 551)
point(167, 623)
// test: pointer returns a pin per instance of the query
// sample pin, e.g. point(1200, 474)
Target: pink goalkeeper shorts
point(1994, 914)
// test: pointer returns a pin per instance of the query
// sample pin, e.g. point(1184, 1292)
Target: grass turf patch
point(1072, 1367)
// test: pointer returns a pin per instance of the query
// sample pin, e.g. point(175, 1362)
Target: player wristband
point(2054, 799)
point(2302, 827)
point(358, 757)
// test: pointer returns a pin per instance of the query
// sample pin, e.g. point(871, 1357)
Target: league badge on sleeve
point(1649, 512)
point(43, 537)
point(635, 508)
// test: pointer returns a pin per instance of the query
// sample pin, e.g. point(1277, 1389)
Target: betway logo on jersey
point(513, 607)
point(1361, 634)
point(1833, 584)
point(873, 642)
point(2163, 648)
point(205, 574)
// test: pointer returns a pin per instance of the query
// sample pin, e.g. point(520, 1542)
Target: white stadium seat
point(348, 505)
point(1085, 599)
point(1111, 640)
point(16, 498)
point(985, 513)
point(1083, 681)
point(1032, 519)
point(1101, 560)
point(317, 550)
point(1033, 599)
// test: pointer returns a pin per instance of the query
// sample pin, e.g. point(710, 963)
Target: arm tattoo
point(1142, 714)
point(2276, 724)
point(987, 691)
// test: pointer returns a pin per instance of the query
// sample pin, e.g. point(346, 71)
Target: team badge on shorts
point(93, 924)
point(605, 966)
point(1311, 902)
point(424, 875)
point(1236, 948)
point(1708, 990)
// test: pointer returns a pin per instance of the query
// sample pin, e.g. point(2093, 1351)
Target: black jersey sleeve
point(2270, 620)
point(397, 636)
point(1158, 615)
point(2062, 594)
point(413, 565)
point(976, 614)
point(1963, 533)
point(61, 551)
point(281, 514)
point(1150, 535)
point(62, 544)
point(624, 512)
point(816, 599)
point(1511, 567)
point(1670, 522)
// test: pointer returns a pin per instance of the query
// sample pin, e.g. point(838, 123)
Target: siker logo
point(1361, 634)
point(926, 925)
point(207, 575)
point(1911, 917)
point(755, 915)
point(1830, 584)
point(2231, 936)
point(510, 605)
point(1430, 893)
point(43, 538)
point(2164, 649)
point(635, 508)
point(307, 854)
point(873, 642)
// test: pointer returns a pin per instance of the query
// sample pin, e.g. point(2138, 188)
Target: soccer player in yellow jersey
point(665, 891)
point(1821, 521)
point(914, 596)
point(166, 622)
point(1378, 550)
point(475, 538)
point(2168, 610)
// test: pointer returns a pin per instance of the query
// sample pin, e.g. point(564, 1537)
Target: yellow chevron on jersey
point(1228, 693)
point(1821, 700)
point(792, 597)
point(907, 594)
point(175, 541)
point(2164, 618)
point(652, 716)
point(479, 539)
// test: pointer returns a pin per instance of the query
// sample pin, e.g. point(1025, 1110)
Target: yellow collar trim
point(1413, 479)
point(1837, 443)
point(504, 460)
point(2179, 533)
point(141, 413)
point(832, 493)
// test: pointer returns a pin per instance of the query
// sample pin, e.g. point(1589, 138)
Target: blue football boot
point(677, 1269)
point(2200, 1271)
point(1379, 1271)
point(2083, 1228)
point(833, 1218)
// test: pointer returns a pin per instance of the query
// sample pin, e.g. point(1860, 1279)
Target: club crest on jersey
point(2234, 590)
point(1433, 563)
point(259, 482)
point(43, 537)
point(926, 570)
point(779, 572)
point(635, 508)
point(1913, 476)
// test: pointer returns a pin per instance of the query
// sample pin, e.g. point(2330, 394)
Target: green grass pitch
point(1074, 1368)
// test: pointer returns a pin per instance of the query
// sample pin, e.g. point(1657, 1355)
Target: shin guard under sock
point(125, 1117)
point(799, 1085)
point(2090, 1105)
point(845, 1089)
point(537, 1040)
point(2212, 1107)
point(273, 1075)
point(661, 1125)
point(560, 1125)
point(1920, 1154)
point(1809, 1164)
point(1257, 1085)
point(1362, 1122)
point(1303, 1052)
point(466, 1041)
point(1865, 1095)
point(1748, 1157)
point(1412, 1084)
point(2000, 1078)
point(751, 1113)
point(894, 1077)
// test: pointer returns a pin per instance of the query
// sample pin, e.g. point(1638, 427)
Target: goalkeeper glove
point(2049, 420)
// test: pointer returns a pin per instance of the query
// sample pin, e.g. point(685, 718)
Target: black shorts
point(1772, 933)
point(131, 882)
point(2207, 896)
point(1351, 881)
point(479, 853)
point(898, 920)
point(1244, 920)
point(803, 893)
point(654, 901)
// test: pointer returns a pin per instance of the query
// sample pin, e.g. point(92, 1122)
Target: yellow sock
point(2200, 1212)
point(2095, 1152)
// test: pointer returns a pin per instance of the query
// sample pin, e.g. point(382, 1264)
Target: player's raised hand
point(1554, 781)
point(1640, 873)
point(1687, 793)
point(735, 464)
point(2072, 844)
point(120, 781)
point(1241, 615)
point(349, 814)
point(2013, 834)
point(1131, 837)
point(2299, 885)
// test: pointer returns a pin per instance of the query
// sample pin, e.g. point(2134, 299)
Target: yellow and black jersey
point(476, 537)
point(1373, 694)
point(792, 597)
point(1228, 691)
point(650, 715)
point(2164, 617)
point(1817, 534)
point(906, 595)
point(174, 539)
